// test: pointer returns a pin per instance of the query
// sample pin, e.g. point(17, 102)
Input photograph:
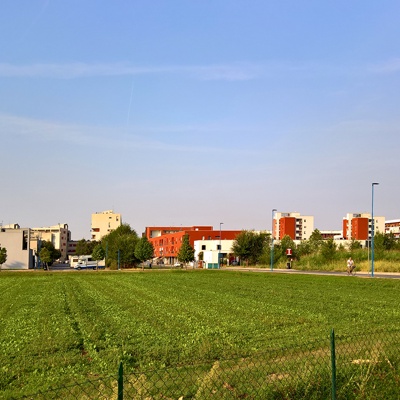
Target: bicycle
point(351, 270)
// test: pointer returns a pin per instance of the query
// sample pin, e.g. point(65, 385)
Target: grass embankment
point(56, 327)
point(310, 263)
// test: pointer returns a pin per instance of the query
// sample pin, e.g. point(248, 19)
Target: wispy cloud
point(241, 71)
point(390, 66)
point(232, 72)
point(105, 137)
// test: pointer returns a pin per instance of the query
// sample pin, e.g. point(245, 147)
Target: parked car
point(84, 266)
point(178, 264)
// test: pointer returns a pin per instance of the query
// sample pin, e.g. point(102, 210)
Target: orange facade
point(360, 228)
point(154, 231)
point(287, 226)
point(167, 245)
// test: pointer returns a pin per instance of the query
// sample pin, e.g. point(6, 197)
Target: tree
point(186, 251)
point(144, 250)
point(315, 240)
point(98, 254)
point(46, 257)
point(328, 250)
point(85, 247)
point(250, 246)
point(3, 256)
point(120, 245)
point(53, 253)
point(354, 245)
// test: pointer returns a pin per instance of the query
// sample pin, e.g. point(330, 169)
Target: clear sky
point(196, 112)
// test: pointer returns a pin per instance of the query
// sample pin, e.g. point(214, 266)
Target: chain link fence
point(341, 367)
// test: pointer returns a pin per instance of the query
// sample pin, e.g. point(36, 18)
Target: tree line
point(255, 248)
point(125, 249)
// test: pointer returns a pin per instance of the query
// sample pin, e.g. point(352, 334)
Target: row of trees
point(123, 247)
point(255, 248)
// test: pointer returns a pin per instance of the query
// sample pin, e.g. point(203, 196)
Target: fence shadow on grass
point(337, 368)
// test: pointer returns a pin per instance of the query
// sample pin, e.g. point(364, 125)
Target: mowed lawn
point(59, 326)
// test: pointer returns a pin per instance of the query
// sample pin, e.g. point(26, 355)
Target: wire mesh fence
point(341, 367)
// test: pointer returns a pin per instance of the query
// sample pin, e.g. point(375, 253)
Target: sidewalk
point(361, 274)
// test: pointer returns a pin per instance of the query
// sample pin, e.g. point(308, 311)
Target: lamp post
point(272, 240)
point(219, 250)
point(372, 230)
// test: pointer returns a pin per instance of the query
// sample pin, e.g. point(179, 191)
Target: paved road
point(361, 274)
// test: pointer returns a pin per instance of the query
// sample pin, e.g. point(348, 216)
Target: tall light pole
point(219, 250)
point(272, 240)
point(372, 230)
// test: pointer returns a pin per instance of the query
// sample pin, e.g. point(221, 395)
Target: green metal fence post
point(333, 361)
point(121, 382)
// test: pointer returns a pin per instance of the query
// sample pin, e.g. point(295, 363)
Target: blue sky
point(198, 112)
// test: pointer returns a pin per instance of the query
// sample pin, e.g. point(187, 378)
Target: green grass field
point(56, 327)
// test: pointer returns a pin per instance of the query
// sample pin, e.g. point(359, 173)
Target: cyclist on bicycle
point(350, 265)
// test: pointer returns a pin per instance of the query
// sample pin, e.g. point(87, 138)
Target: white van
point(86, 262)
point(79, 262)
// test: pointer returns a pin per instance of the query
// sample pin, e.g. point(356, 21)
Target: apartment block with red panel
point(167, 245)
point(360, 228)
point(287, 226)
point(156, 231)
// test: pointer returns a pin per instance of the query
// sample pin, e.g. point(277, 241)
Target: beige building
point(292, 224)
point(358, 226)
point(58, 235)
point(16, 241)
point(393, 226)
point(103, 223)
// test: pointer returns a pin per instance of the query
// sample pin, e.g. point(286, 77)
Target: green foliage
point(328, 250)
point(304, 248)
point(85, 247)
point(250, 246)
point(354, 245)
point(186, 251)
point(286, 243)
point(3, 255)
point(144, 250)
point(46, 256)
point(122, 240)
point(98, 252)
point(316, 240)
point(53, 253)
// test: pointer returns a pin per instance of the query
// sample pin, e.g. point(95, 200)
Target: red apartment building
point(359, 229)
point(294, 225)
point(168, 240)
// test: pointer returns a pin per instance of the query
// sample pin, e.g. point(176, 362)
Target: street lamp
point(272, 240)
point(372, 230)
point(219, 250)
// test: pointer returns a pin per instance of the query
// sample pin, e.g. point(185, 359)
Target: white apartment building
point(393, 226)
point(292, 224)
point(103, 223)
point(211, 250)
point(16, 241)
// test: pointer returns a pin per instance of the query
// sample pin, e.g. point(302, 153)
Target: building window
point(203, 247)
point(218, 247)
point(25, 240)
